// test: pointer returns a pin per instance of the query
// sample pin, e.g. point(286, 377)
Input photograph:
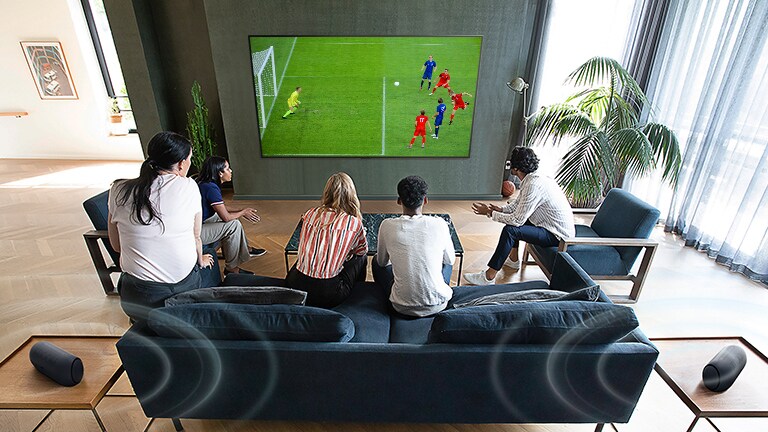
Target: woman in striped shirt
point(332, 246)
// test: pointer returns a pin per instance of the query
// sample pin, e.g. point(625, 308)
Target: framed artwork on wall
point(49, 70)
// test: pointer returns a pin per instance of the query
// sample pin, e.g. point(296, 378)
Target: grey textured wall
point(506, 27)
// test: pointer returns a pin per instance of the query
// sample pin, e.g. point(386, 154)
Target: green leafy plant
point(114, 107)
point(199, 128)
point(610, 140)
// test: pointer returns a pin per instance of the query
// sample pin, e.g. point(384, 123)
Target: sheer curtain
point(710, 84)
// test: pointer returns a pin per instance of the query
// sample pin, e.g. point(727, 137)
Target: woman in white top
point(154, 222)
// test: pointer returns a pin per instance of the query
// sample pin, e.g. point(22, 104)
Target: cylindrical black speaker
point(720, 373)
point(57, 364)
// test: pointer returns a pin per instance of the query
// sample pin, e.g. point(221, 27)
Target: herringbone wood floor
point(48, 286)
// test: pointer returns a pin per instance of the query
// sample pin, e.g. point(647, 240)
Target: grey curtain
point(708, 80)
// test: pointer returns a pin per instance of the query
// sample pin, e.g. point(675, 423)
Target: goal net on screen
point(264, 80)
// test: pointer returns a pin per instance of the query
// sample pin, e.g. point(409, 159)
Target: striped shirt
point(328, 237)
point(543, 203)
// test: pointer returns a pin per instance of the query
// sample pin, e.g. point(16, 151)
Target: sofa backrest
point(623, 215)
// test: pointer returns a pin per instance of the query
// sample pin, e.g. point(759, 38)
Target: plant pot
point(116, 118)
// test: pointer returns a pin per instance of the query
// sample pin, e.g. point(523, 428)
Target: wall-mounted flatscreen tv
point(363, 96)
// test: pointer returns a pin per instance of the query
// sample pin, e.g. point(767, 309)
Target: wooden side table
point(26, 388)
point(680, 364)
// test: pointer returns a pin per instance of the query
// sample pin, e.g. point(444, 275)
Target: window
point(98, 25)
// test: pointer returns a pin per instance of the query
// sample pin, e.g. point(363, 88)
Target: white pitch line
point(383, 111)
point(280, 84)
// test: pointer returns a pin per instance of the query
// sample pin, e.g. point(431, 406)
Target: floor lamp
point(519, 86)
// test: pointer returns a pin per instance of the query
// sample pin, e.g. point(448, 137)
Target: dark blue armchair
point(608, 248)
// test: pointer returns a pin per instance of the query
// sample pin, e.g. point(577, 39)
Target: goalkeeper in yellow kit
point(293, 103)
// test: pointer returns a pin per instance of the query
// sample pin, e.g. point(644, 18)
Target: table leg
point(713, 424)
point(146, 428)
point(461, 265)
point(690, 428)
point(98, 420)
point(286, 263)
point(40, 423)
point(599, 427)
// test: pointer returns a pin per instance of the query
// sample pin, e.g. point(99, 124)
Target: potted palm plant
point(199, 128)
point(610, 140)
point(115, 116)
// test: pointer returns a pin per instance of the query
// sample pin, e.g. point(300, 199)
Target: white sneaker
point(434, 136)
point(514, 265)
point(478, 278)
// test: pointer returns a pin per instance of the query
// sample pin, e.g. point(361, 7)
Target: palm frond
point(606, 71)
point(583, 167)
point(633, 152)
point(665, 146)
point(546, 123)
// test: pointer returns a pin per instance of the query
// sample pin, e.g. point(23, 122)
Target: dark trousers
point(138, 297)
point(327, 293)
point(385, 277)
point(511, 236)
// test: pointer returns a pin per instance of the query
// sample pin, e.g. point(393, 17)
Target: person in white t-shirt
point(415, 254)
point(154, 222)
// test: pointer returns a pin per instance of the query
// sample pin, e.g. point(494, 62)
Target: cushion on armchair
point(563, 322)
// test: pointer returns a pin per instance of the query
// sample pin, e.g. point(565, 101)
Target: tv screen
point(363, 96)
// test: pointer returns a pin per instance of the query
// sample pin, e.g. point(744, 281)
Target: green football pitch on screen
point(360, 96)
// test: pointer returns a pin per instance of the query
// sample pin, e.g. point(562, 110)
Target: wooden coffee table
point(23, 387)
point(680, 364)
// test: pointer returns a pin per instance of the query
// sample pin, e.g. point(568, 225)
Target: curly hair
point(412, 191)
point(524, 159)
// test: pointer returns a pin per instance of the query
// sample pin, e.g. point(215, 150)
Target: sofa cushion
point(409, 329)
point(414, 330)
point(564, 322)
point(464, 294)
point(262, 295)
point(536, 295)
point(367, 307)
point(251, 322)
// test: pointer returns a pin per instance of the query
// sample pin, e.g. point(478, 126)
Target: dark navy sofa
point(390, 372)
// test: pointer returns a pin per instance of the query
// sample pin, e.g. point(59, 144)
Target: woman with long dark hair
point(332, 246)
point(154, 222)
point(220, 222)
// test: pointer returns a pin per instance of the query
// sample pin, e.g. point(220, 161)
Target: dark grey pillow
point(534, 295)
point(242, 295)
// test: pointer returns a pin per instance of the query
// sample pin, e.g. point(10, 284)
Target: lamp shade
point(518, 85)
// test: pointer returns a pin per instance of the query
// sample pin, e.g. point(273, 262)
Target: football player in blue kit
point(428, 67)
point(439, 111)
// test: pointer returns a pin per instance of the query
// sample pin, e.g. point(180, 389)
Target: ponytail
point(165, 149)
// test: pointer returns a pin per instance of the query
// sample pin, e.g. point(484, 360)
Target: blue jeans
point(511, 236)
point(385, 277)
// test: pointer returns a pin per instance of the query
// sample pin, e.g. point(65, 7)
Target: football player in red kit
point(458, 103)
point(443, 81)
point(422, 121)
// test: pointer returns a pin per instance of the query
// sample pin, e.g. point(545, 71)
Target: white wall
point(62, 129)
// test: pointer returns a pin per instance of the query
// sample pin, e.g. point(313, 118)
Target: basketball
point(507, 188)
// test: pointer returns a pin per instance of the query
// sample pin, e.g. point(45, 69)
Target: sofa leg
point(177, 424)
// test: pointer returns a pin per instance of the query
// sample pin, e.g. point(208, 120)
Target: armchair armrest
point(605, 241)
point(647, 244)
point(102, 269)
point(96, 234)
